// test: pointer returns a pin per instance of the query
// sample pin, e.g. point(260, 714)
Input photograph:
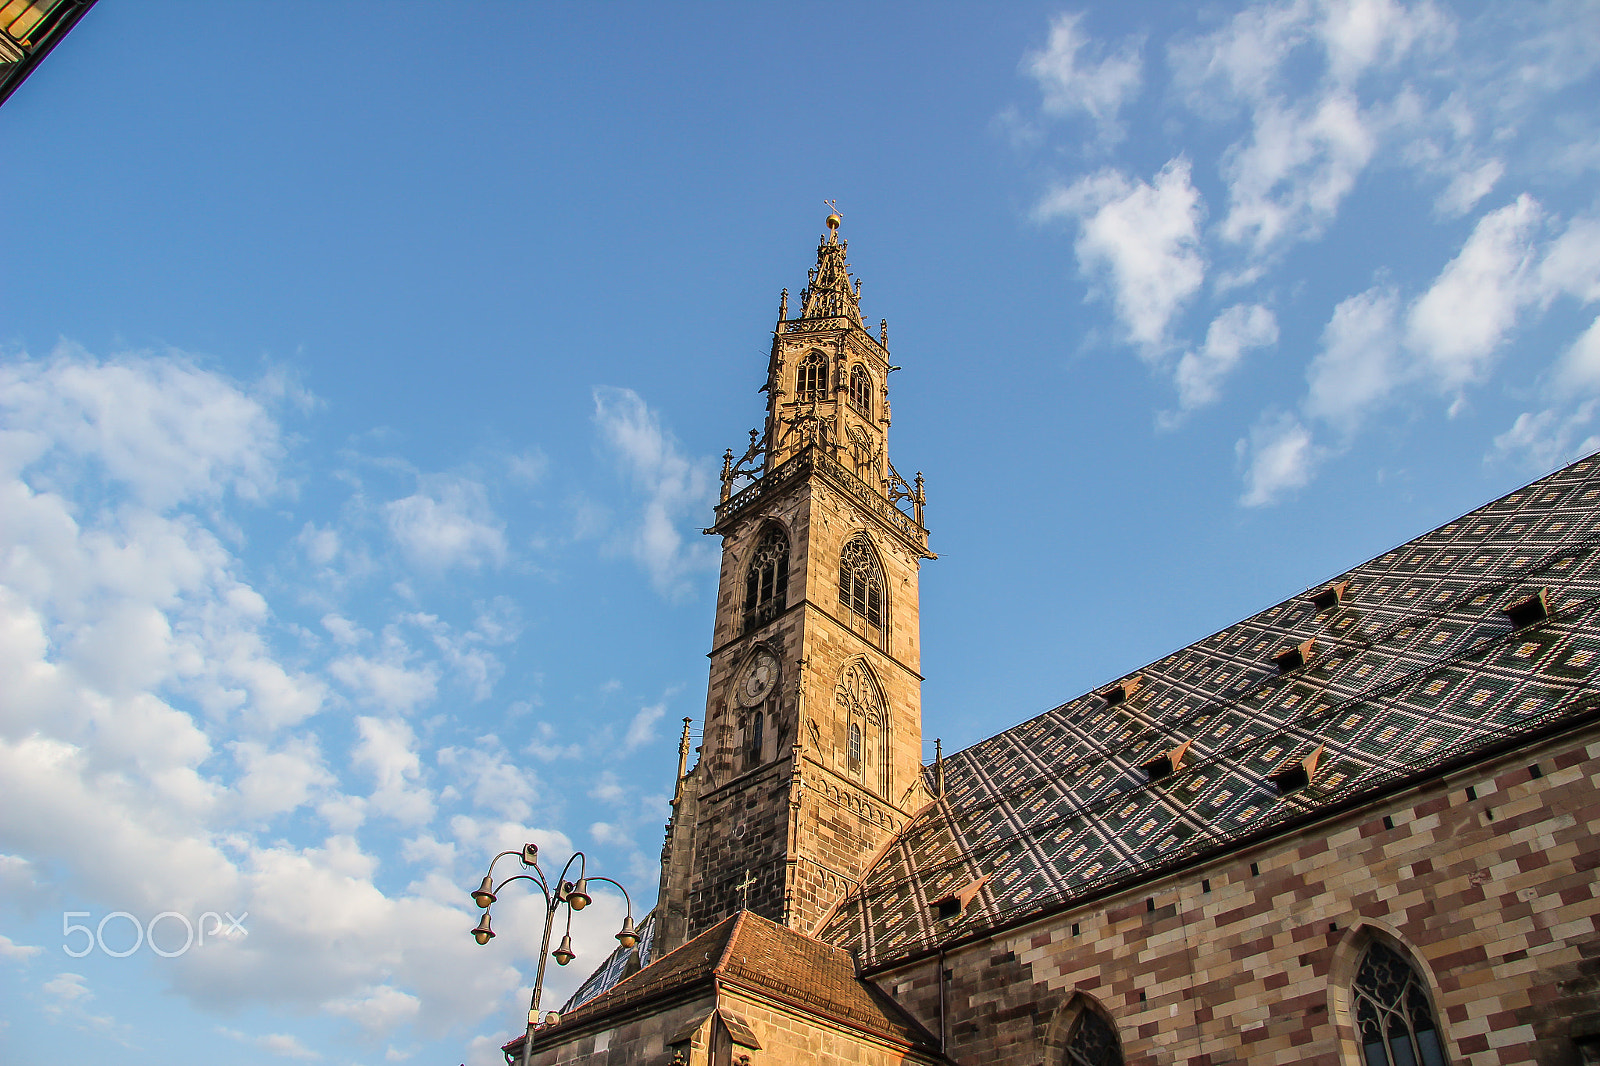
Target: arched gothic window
point(861, 706)
point(1093, 1042)
point(757, 728)
point(1393, 1016)
point(861, 593)
point(864, 455)
point(766, 583)
point(811, 378)
point(861, 390)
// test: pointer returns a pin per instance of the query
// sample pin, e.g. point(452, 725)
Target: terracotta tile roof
point(749, 951)
point(768, 957)
point(1415, 667)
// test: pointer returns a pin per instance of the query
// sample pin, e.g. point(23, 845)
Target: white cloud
point(394, 680)
point(1140, 240)
point(69, 999)
point(343, 630)
point(1237, 330)
point(1281, 457)
point(1071, 80)
point(1359, 364)
point(1571, 265)
point(1457, 325)
point(379, 1009)
point(528, 467)
point(448, 523)
point(1361, 34)
point(284, 1044)
point(1468, 186)
point(493, 780)
point(1544, 440)
point(1301, 162)
point(163, 427)
point(152, 737)
point(388, 750)
point(320, 545)
point(673, 487)
point(275, 782)
point(1242, 60)
point(9, 949)
point(608, 788)
point(1578, 369)
point(642, 730)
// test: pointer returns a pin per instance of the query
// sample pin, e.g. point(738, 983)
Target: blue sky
point(364, 370)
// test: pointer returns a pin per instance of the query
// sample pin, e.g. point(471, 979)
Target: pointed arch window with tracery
point(1093, 1042)
point(862, 599)
point(811, 378)
point(1393, 1016)
point(766, 582)
point(860, 703)
point(861, 390)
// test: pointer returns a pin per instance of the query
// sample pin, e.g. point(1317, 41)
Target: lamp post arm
point(625, 897)
point(582, 861)
point(537, 881)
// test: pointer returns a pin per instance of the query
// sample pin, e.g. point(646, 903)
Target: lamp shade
point(578, 897)
point(481, 932)
point(626, 936)
point(564, 954)
point(485, 893)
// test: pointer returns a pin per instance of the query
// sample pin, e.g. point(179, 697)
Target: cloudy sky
point(364, 370)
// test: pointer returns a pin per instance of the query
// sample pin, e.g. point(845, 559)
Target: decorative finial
point(834, 218)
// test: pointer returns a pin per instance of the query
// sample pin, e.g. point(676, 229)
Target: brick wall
point(1249, 958)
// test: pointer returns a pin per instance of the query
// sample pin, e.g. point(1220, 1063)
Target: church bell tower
point(811, 754)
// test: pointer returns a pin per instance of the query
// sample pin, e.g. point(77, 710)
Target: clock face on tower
point(758, 678)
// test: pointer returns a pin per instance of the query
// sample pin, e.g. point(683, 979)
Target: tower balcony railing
point(813, 459)
point(822, 323)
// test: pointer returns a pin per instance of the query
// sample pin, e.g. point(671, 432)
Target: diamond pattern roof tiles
point(1416, 667)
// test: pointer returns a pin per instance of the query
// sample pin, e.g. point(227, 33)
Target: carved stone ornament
point(758, 678)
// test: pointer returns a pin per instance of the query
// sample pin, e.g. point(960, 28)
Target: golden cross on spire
point(744, 890)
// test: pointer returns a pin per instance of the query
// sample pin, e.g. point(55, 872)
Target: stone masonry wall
point(787, 1037)
point(1250, 958)
point(639, 1041)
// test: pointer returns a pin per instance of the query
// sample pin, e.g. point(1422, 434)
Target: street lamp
point(573, 894)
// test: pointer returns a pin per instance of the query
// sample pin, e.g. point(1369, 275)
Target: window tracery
point(861, 590)
point(1093, 1042)
point(766, 582)
point(864, 455)
point(861, 390)
point(1393, 1016)
point(811, 378)
point(861, 705)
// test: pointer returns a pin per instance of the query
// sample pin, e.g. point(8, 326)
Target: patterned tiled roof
point(751, 951)
point(619, 964)
point(1417, 667)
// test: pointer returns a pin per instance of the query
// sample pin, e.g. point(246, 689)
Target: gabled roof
point(751, 952)
point(1413, 666)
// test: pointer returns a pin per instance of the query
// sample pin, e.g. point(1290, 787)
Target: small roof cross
point(744, 890)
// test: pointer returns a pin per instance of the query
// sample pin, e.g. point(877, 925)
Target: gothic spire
point(828, 292)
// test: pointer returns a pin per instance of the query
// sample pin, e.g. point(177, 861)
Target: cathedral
point(1358, 828)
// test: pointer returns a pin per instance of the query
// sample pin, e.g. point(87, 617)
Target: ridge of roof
point(759, 955)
